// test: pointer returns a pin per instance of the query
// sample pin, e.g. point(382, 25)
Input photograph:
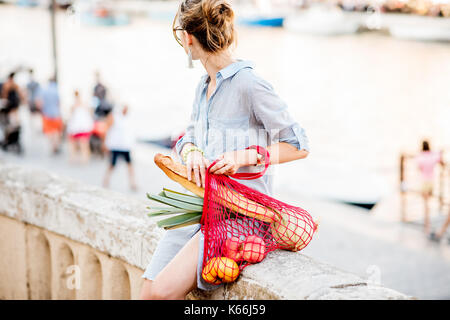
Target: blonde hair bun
point(210, 21)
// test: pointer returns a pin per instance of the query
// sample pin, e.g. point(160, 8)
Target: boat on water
point(27, 3)
point(416, 27)
point(323, 20)
point(112, 20)
point(100, 14)
point(261, 21)
point(261, 13)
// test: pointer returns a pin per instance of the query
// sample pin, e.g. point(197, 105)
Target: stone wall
point(60, 239)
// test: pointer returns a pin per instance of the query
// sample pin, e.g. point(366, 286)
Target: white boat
point(323, 20)
point(415, 27)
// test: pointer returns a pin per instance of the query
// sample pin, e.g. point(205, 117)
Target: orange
point(228, 270)
point(209, 272)
point(218, 270)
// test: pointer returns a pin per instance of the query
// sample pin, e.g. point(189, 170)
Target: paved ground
point(374, 246)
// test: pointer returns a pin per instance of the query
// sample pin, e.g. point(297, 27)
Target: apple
point(254, 249)
point(232, 248)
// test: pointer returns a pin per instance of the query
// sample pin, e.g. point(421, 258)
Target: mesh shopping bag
point(242, 225)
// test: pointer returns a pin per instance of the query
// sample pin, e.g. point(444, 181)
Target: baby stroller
point(9, 129)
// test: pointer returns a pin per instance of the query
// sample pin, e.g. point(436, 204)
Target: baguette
point(178, 173)
point(229, 198)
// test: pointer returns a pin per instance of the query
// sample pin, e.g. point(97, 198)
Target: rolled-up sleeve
point(273, 113)
point(296, 136)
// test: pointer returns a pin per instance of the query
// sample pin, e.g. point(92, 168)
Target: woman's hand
point(195, 161)
point(230, 162)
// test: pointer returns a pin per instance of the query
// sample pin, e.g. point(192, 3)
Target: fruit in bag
point(254, 249)
point(220, 269)
point(232, 248)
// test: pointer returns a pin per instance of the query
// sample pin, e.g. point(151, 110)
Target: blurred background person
point(52, 124)
point(32, 93)
point(99, 88)
point(12, 96)
point(79, 129)
point(119, 141)
point(427, 161)
point(102, 108)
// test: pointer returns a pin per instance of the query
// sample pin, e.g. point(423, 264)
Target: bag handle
point(251, 175)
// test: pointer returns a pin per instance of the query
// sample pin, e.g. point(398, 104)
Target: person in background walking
point(427, 161)
point(32, 93)
point(119, 141)
point(99, 89)
point(102, 106)
point(79, 128)
point(13, 96)
point(52, 124)
point(99, 93)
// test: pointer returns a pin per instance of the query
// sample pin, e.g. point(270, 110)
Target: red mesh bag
point(241, 225)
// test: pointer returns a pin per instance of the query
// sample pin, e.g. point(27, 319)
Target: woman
point(427, 161)
point(233, 109)
point(119, 142)
point(79, 128)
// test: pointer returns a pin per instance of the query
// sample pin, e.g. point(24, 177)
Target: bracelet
point(190, 149)
point(259, 158)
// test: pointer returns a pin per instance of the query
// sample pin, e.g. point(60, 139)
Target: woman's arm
point(230, 162)
point(284, 152)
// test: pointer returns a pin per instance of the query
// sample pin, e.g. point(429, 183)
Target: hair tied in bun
point(211, 22)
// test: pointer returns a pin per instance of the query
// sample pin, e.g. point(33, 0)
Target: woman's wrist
point(189, 149)
point(186, 145)
point(250, 158)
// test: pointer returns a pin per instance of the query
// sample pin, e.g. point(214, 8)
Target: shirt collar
point(231, 69)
